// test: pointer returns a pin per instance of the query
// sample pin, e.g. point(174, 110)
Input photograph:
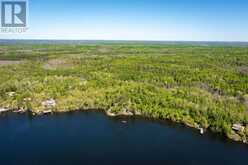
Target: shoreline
point(121, 115)
point(201, 87)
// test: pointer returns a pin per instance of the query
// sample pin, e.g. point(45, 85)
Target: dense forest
point(204, 87)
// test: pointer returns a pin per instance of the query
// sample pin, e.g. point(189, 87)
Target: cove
point(93, 138)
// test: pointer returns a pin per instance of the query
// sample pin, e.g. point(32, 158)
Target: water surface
point(93, 138)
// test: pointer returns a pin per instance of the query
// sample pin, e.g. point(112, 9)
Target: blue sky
point(194, 20)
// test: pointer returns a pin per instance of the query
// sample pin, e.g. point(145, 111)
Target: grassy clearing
point(202, 87)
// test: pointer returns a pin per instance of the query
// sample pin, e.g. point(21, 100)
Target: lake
point(93, 138)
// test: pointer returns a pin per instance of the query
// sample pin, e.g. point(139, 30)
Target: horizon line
point(124, 40)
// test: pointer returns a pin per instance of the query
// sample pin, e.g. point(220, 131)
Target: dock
point(4, 110)
point(47, 112)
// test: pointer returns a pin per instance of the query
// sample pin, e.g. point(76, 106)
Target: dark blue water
point(92, 138)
